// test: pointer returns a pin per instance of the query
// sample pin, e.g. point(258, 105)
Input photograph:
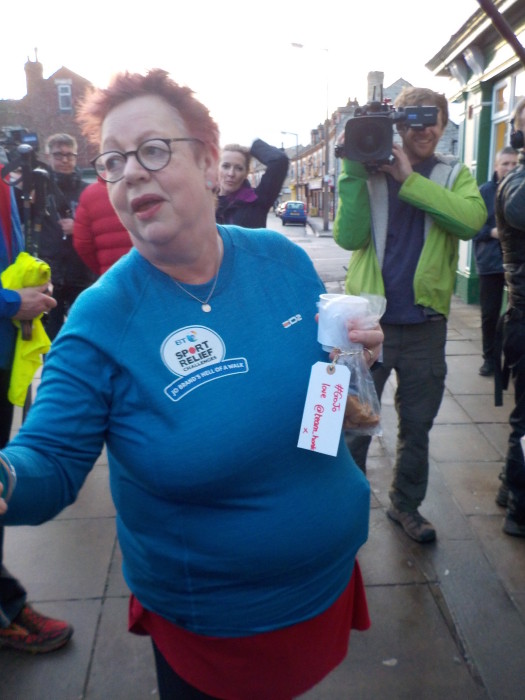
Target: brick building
point(49, 107)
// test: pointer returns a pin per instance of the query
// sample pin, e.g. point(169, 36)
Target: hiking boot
point(35, 633)
point(513, 527)
point(502, 497)
point(414, 524)
point(487, 368)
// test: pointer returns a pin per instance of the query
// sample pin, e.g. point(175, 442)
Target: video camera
point(369, 134)
point(11, 137)
point(22, 170)
point(18, 155)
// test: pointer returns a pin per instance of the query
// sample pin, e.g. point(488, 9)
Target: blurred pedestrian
point(69, 274)
point(489, 261)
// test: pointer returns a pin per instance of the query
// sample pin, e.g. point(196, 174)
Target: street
point(329, 259)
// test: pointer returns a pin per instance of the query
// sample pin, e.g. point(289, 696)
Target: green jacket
point(454, 210)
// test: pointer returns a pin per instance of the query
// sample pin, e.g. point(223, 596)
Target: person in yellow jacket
point(21, 626)
point(404, 223)
point(32, 341)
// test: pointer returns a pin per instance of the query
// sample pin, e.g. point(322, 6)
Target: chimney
point(34, 74)
point(375, 86)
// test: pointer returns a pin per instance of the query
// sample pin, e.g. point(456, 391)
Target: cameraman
point(404, 223)
point(69, 274)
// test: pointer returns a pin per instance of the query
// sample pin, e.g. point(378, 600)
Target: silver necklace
point(205, 306)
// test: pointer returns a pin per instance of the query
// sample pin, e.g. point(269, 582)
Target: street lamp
point(326, 176)
point(292, 133)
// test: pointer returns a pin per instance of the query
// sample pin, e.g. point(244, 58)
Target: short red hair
point(125, 86)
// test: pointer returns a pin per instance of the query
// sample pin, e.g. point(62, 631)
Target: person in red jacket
point(98, 236)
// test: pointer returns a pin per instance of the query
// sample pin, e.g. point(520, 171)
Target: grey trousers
point(416, 352)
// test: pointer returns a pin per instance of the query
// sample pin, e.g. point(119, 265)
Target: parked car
point(294, 212)
point(280, 209)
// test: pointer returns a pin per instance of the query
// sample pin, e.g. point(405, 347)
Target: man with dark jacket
point(69, 274)
point(510, 219)
point(489, 261)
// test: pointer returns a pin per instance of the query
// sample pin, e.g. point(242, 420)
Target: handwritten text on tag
point(324, 408)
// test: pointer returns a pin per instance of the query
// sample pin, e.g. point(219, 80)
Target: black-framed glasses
point(152, 154)
point(57, 155)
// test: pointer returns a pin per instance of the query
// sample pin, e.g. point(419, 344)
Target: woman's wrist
point(7, 477)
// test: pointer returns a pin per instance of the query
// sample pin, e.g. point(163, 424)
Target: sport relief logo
point(196, 355)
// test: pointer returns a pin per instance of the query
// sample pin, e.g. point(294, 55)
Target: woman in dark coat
point(239, 203)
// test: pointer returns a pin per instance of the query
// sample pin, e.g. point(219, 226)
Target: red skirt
point(280, 664)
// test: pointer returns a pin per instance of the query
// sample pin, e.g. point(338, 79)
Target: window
point(65, 100)
point(500, 137)
point(505, 96)
point(501, 98)
point(519, 87)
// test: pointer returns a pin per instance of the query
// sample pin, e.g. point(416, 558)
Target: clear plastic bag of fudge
point(362, 412)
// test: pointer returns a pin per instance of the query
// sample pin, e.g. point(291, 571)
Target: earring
point(209, 184)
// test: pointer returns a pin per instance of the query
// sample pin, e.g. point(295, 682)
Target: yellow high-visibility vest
point(26, 271)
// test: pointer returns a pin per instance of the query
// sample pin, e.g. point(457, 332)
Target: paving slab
point(63, 674)
point(408, 653)
point(473, 486)
point(498, 436)
point(460, 442)
point(505, 554)
point(384, 557)
point(122, 666)
point(62, 559)
point(486, 620)
point(451, 411)
point(481, 409)
point(457, 345)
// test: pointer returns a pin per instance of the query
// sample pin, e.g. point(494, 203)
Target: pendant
point(206, 308)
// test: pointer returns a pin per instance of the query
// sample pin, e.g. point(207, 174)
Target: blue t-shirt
point(404, 243)
point(226, 527)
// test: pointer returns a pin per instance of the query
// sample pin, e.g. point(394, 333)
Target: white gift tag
point(324, 408)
